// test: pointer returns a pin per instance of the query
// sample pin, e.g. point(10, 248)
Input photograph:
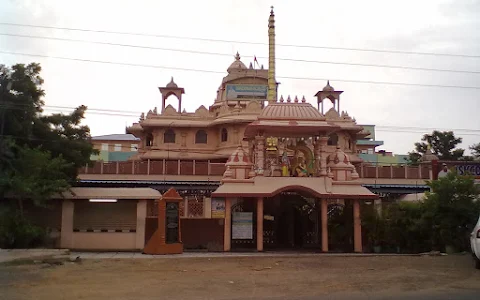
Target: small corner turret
point(172, 89)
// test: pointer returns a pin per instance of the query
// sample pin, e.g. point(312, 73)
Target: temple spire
point(272, 82)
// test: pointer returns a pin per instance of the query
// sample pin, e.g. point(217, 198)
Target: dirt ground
point(235, 278)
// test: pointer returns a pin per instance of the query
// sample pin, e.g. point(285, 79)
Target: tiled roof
point(291, 111)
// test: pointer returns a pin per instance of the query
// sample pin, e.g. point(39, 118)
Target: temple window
point(332, 140)
point(201, 137)
point(149, 140)
point(224, 135)
point(169, 137)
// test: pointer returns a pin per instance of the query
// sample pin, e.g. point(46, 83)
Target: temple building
point(280, 155)
point(252, 171)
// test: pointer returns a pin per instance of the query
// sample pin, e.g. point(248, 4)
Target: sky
point(118, 91)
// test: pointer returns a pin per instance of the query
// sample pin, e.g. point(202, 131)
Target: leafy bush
point(444, 219)
point(405, 229)
point(17, 232)
point(451, 210)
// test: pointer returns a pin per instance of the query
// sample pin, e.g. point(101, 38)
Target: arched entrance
point(291, 221)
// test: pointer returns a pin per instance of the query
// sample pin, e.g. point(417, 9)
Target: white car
point(475, 244)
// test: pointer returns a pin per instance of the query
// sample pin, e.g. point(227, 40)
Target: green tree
point(36, 175)
point(475, 150)
point(451, 210)
point(60, 134)
point(414, 158)
point(443, 145)
point(39, 154)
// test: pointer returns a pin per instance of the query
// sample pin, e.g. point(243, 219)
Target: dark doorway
point(290, 222)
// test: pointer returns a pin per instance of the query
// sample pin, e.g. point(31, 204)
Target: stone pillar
point(183, 138)
point(318, 156)
point(66, 234)
point(236, 139)
point(323, 155)
point(185, 205)
point(324, 208)
point(227, 226)
point(207, 207)
point(357, 227)
point(378, 206)
point(141, 219)
point(260, 150)
point(260, 224)
point(251, 146)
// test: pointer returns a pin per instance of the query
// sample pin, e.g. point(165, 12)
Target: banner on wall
point(242, 225)
point(441, 169)
point(469, 169)
point(218, 208)
point(246, 91)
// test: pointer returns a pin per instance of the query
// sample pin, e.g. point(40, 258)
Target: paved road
point(440, 294)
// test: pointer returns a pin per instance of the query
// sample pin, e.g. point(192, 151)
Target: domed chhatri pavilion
point(279, 153)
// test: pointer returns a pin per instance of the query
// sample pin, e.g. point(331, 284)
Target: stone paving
point(9, 255)
point(123, 255)
point(14, 254)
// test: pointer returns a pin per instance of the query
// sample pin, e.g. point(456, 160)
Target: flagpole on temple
point(272, 82)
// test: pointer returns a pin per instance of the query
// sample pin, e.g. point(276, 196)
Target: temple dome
point(429, 156)
point(338, 159)
point(339, 162)
point(172, 84)
point(239, 166)
point(237, 64)
point(328, 87)
point(238, 157)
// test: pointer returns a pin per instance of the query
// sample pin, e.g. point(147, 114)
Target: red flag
point(255, 60)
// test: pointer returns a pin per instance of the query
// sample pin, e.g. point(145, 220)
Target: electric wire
point(229, 55)
point(237, 41)
point(222, 72)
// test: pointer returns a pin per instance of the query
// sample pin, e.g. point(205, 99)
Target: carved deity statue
point(285, 164)
point(301, 168)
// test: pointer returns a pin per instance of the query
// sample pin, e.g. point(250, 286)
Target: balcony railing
point(155, 167)
point(207, 168)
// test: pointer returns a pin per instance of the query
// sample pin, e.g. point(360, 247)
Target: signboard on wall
point(171, 223)
point(246, 91)
point(242, 225)
point(469, 169)
point(218, 208)
point(440, 168)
